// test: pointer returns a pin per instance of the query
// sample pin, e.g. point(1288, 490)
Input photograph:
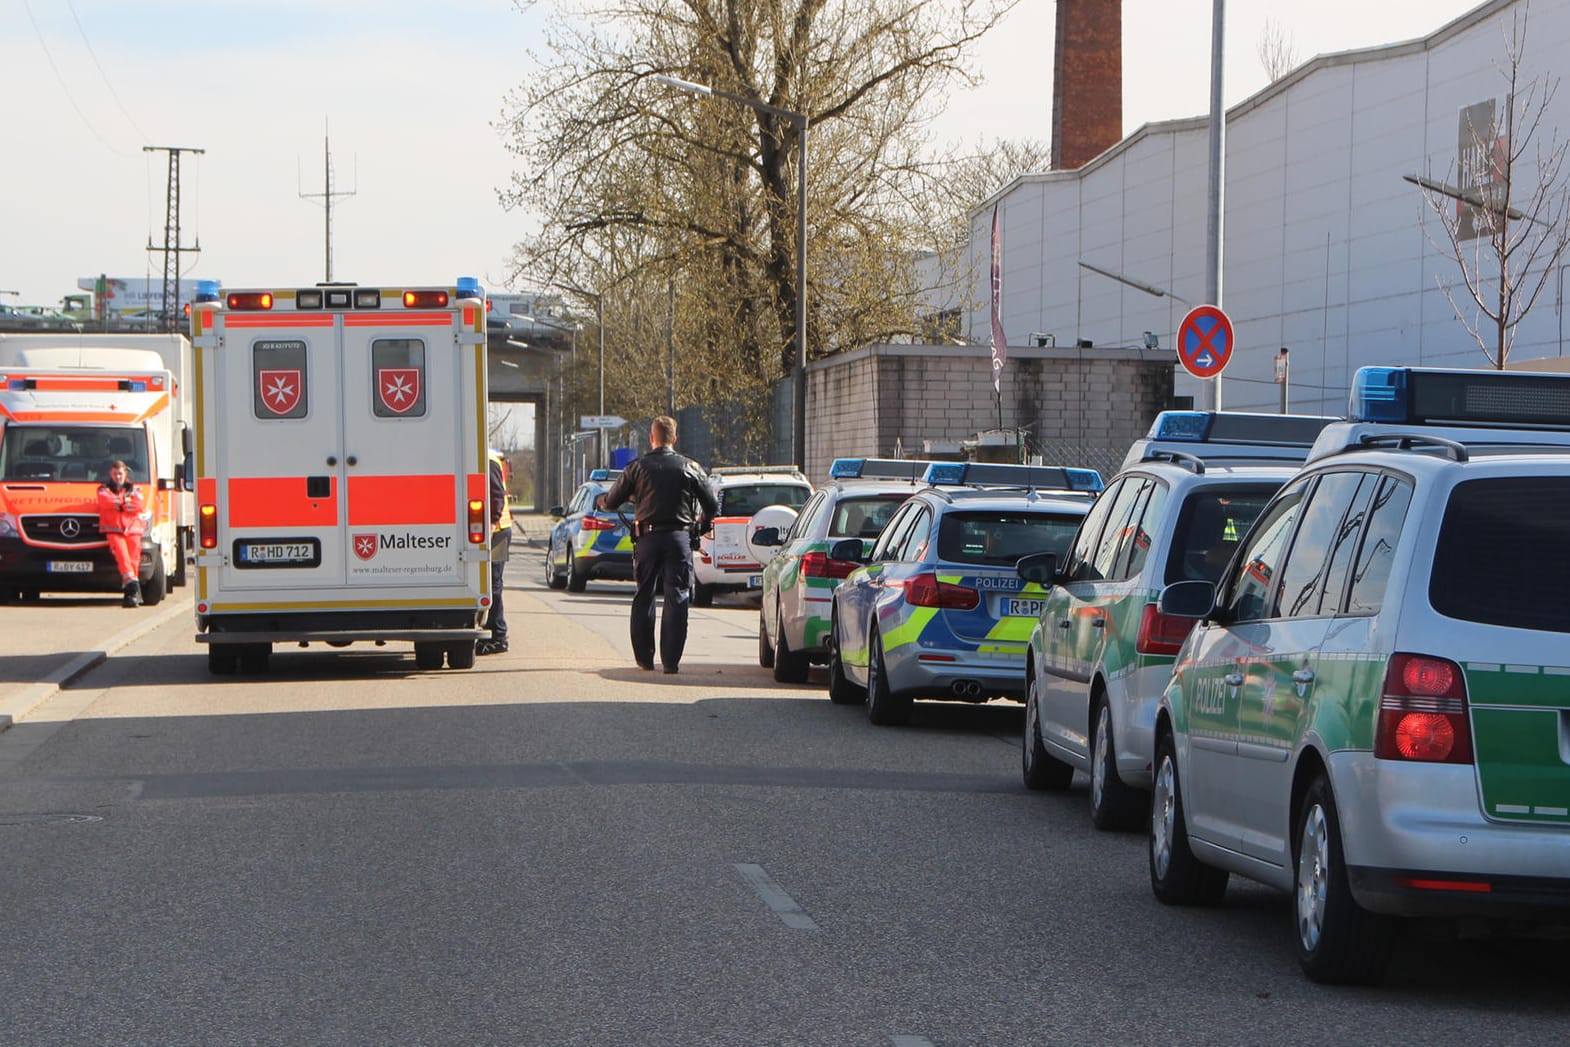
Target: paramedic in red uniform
point(120, 519)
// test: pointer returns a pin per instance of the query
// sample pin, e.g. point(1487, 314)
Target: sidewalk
point(532, 528)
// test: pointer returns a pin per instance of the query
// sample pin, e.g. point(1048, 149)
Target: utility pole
point(326, 196)
point(172, 249)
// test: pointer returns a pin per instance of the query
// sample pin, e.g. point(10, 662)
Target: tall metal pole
point(1218, 135)
point(599, 308)
point(170, 313)
point(799, 417)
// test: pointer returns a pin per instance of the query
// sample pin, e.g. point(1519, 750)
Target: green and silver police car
point(1373, 710)
point(799, 580)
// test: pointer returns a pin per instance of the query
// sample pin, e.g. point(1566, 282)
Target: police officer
point(501, 547)
point(673, 501)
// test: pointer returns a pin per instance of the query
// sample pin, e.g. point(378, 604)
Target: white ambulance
point(341, 470)
point(70, 404)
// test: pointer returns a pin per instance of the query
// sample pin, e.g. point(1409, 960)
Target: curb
point(29, 698)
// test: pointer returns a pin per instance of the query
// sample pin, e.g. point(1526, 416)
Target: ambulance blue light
point(1181, 425)
point(1379, 394)
point(469, 287)
point(136, 387)
point(846, 468)
point(208, 291)
point(945, 473)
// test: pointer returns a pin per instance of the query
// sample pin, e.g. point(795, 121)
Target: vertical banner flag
point(999, 342)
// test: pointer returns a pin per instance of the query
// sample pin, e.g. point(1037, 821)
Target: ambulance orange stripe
point(278, 320)
point(206, 490)
point(59, 414)
point(397, 319)
point(279, 501)
point(95, 384)
point(477, 484)
point(379, 501)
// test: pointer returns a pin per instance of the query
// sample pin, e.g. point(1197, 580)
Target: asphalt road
point(556, 849)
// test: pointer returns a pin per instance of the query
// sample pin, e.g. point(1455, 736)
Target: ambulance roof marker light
point(208, 291)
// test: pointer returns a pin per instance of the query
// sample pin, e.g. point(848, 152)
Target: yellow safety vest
point(504, 522)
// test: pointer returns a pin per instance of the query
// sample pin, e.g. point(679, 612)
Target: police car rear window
point(863, 517)
point(747, 500)
point(1213, 522)
point(1503, 555)
point(1002, 537)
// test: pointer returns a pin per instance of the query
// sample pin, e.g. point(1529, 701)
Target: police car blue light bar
point(997, 474)
point(1435, 396)
point(602, 475)
point(878, 469)
point(1181, 425)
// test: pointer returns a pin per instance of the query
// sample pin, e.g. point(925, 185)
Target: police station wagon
point(1373, 711)
point(1101, 653)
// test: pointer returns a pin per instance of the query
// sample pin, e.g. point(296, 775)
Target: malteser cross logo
point(280, 390)
point(365, 546)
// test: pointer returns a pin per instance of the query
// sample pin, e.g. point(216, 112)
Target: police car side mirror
point(848, 549)
point(1040, 568)
point(558, 510)
point(1190, 599)
point(767, 536)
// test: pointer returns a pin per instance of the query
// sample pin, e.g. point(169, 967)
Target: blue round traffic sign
point(1204, 341)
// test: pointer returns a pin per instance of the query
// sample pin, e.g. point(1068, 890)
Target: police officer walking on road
point(673, 501)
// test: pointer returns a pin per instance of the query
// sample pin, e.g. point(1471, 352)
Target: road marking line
point(911, 1041)
point(775, 898)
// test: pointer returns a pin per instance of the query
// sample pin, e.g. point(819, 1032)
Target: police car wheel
point(883, 706)
point(1113, 804)
point(1039, 768)
point(576, 582)
point(1338, 941)
point(841, 690)
point(765, 646)
point(1176, 876)
point(553, 578)
point(789, 666)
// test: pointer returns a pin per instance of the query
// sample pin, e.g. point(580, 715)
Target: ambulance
point(340, 470)
point(71, 404)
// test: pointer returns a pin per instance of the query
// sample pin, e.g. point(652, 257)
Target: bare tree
point(1504, 219)
point(639, 186)
point(1277, 50)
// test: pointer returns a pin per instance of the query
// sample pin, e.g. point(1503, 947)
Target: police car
point(1101, 653)
point(588, 542)
point(939, 610)
point(1373, 711)
point(724, 561)
point(799, 580)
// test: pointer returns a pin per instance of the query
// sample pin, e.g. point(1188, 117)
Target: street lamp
point(798, 121)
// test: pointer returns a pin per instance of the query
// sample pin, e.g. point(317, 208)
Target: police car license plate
point(277, 554)
point(70, 566)
point(1013, 608)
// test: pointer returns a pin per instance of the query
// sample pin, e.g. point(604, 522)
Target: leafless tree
point(638, 186)
point(1503, 221)
point(1277, 51)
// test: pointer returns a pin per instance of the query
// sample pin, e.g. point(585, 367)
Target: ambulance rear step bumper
point(344, 636)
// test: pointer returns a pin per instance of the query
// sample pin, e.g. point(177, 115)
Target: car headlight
point(8, 528)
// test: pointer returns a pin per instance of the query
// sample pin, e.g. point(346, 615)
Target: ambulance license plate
point(755, 581)
point(287, 553)
point(70, 567)
point(1013, 608)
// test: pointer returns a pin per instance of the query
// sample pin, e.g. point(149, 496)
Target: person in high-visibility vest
point(501, 547)
point(120, 521)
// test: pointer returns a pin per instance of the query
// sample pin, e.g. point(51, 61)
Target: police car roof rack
point(1192, 462)
point(1453, 449)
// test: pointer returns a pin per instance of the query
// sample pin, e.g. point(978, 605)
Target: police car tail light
point(207, 526)
point(477, 521)
point(821, 565)
point(925, 590)
point(595, 523)
point(1161, 633)
point(1423, 712)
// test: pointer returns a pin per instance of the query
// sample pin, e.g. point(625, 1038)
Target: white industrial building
point(1326, 248)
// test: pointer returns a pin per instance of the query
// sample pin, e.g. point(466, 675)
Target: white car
point(724, 562)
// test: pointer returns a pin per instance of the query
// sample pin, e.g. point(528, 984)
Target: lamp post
point(800, 122)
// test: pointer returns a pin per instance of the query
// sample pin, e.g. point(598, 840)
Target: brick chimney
point(1087, 81)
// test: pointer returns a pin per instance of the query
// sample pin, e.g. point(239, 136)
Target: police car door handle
point(1234, 679)
point(1303, 676)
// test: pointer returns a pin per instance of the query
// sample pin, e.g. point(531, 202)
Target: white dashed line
point(775, 897)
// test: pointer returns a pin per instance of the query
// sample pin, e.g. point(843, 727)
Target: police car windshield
point(863, 517)
point(1503, 555)
point(1001, 537)
point(747, 499)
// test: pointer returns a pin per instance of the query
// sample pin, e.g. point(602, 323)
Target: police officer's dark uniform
point(671, 494)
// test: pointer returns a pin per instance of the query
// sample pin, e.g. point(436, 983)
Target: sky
point(410, 94)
